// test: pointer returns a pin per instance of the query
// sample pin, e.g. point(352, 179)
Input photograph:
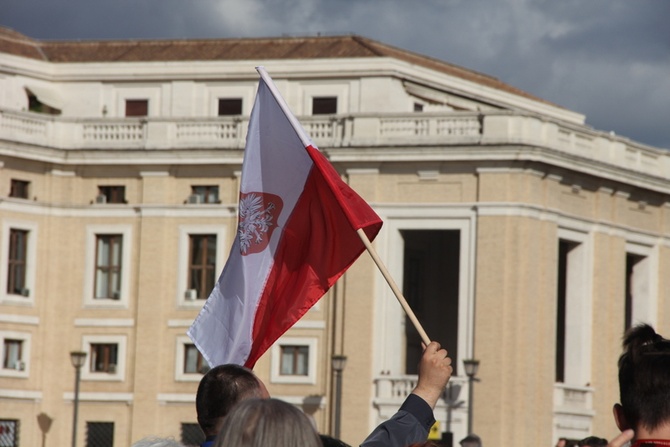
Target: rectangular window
point(17, 260)
point(418, 107)
point(230, 106)
point(324, 105)
point(13, 355)
point(202, 264)
point(99, 434)
point(194, 362)
point(205, 193)
point(9, 433)
point(108, 257)
point(104, 357)
point(137, 107)
point(564, 248)
point(294, 360)
point(19, 189)
point(111, 194)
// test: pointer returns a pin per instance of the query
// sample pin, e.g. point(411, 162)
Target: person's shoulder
point(329, 441)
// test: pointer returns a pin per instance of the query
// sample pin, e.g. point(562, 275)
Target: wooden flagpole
point(396, 291)
point(364, 237)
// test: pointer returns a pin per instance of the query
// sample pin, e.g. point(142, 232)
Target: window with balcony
point(202, 264)
point(19, 189)
point(104, 357)
point(111, 194)
point(108, 265)
point(17, 262)
point(230, 106)
point(137, 107)
point(9, 432)
point(99, 434)
point(204, 194)
point(324, 105)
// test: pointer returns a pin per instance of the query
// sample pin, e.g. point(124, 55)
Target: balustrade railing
point(450, 411)
point(113, 132)
point(332, 131)
point(573, 405)
point(227, 131)
point(573, 411)
point(397, 388)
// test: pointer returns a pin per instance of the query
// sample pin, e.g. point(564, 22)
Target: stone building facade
point(521, 236)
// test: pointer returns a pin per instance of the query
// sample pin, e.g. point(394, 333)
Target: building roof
point(314, 47)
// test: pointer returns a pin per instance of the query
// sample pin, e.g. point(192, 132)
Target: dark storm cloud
point(608, 59)
point(629, 29)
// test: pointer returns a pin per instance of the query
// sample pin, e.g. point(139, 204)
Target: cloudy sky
point(607, 59)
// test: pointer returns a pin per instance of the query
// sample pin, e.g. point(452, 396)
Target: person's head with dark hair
point(267, 422)
point(329, 441)
point(220, 390)
point(471, 440)
point(644, 384)
point(592, 441)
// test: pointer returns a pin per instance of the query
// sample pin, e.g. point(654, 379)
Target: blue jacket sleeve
point(409, 425)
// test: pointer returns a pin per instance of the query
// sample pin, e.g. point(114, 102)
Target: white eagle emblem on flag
point(257, 220)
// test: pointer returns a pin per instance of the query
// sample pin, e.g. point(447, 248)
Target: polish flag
point(296, 235)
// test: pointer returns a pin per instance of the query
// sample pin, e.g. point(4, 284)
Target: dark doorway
point(431, 272)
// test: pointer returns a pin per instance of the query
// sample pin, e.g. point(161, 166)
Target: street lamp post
point(338, 364)
point(78, 358)
point(471, 367)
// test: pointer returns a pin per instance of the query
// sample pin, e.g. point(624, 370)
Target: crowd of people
point(234, 408)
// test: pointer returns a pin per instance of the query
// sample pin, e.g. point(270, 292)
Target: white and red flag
point(297, 234)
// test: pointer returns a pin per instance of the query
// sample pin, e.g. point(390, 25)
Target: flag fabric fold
point(296, 236)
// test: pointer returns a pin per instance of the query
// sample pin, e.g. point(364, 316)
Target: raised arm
point(415, 417)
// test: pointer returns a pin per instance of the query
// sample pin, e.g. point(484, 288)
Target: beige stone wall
point(515, 329)
point(514, 303)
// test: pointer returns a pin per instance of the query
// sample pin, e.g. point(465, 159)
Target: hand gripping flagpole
point(361, 233)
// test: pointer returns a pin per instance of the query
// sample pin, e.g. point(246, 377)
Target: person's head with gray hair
point(153, 441)
point(267, 422)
